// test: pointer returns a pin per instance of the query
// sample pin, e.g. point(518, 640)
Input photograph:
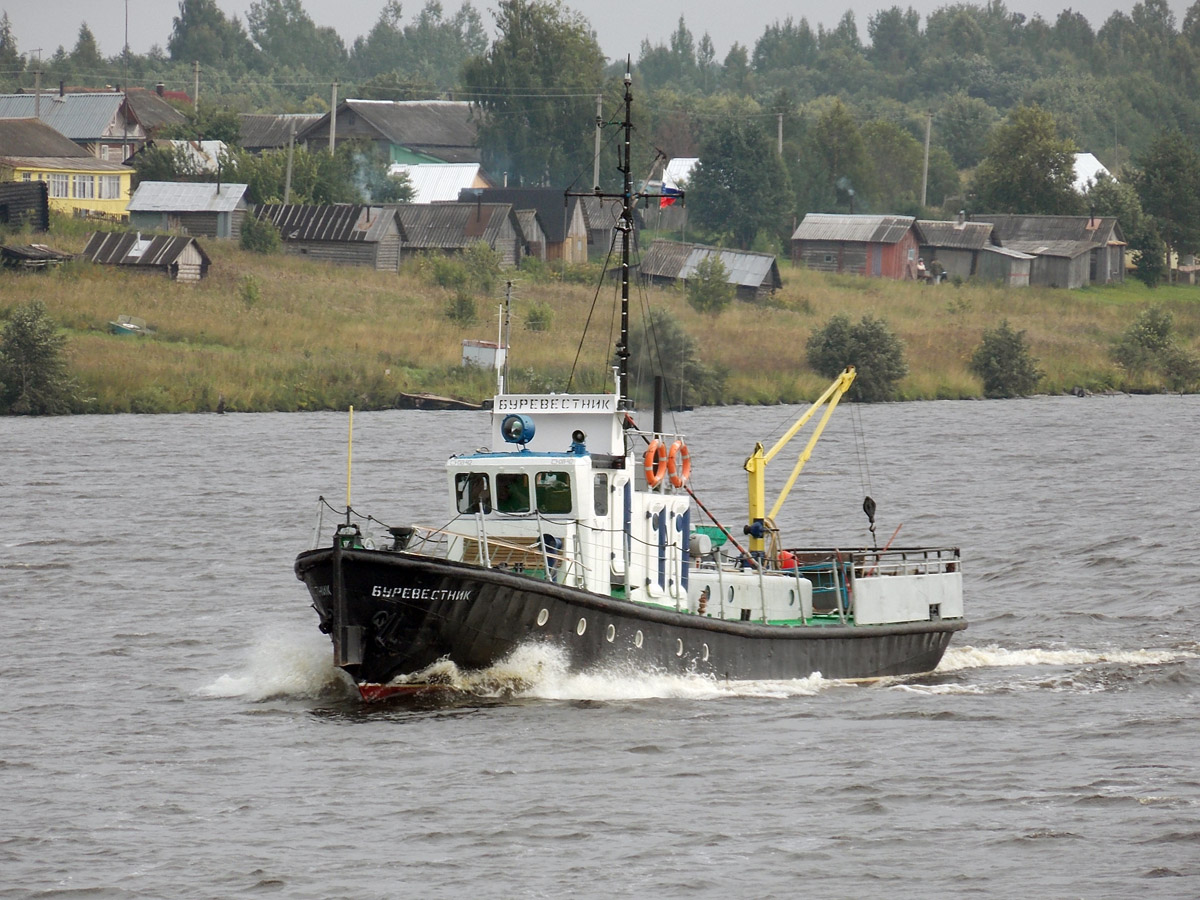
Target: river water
point(171, 726)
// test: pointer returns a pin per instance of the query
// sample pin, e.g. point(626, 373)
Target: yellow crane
point(761, 521)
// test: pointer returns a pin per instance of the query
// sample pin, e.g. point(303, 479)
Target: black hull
point(393, 614)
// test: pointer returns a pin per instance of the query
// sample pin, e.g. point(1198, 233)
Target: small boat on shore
point(129, 325)
point(579, 527)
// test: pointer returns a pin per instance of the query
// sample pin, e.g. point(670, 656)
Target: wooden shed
point(532, 233)
point(754, 275)
point(453, 227)
point(1010, 267)
point(1070, 251)
point(956, 245)
point(179, 257)
point(879, 246)
point(25, 203)
point(349, 234)
point(561, 217)
point(196, 208)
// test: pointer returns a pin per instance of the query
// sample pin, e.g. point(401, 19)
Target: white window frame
point(83, 187)
point(60, 185)
point(109, 187)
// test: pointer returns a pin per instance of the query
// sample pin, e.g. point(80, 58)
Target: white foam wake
point(298, 665)
point(959, 658)
point(540, 671)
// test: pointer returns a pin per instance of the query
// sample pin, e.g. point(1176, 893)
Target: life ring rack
point(654, 461)
point(679, 472)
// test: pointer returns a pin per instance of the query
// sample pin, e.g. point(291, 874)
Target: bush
point(708, 290)
point(664, 347)
point(461, 309)
point(34, 380)
point(249, 291)
point(446, 272)
point(1148, 345)
point(1004, 363)
point(260, 236)
point(482, 265)
point(869, 346)
point(538, 317)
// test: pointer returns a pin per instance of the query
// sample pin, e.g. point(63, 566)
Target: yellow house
point(76, 181)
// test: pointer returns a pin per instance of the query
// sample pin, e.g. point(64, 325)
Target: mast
point(625, 226)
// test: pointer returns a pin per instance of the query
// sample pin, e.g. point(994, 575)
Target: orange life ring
point(680, 472)
point(655, 463)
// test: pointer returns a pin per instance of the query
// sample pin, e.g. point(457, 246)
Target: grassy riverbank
point(283, 333)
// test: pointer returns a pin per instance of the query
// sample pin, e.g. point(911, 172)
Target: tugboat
point(581, 533)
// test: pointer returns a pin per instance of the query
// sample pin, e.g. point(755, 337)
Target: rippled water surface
point(170, 724)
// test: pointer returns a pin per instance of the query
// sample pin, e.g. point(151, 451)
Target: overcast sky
point(620, 25)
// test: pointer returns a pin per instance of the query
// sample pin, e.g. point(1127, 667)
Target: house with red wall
point(878, 246)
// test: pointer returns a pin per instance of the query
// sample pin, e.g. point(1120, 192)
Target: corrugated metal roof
point(1096, 231)
point(81, 117)
point(438, 182)
point(452, 226)
point(177, 196)
point(1007, 251)
point(30, 138)
point(672, 259)
point(1068, 249)
point(1087, 171)
point(678, 171)
point(129, 248)
point(266, 132)
point(861, 229)
point(337, 222)
point(955, 235)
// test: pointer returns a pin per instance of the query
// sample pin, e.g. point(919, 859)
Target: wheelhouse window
point(471, 492)
point(512, 492)
point(553, 492)
point(600, 494)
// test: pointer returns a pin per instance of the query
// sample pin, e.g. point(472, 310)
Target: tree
point(1148, 345)
point(34, 380)
point(11, 62)
point(896, 43)
point(740, 185)
point(1028, 167)
point(85, 57)
point(661, 346)
point(1003, 361)
point(536, 87)
point(786, 46)
point(895, 160)
point(963, 126)
point(287, 36)
point(869, 346)
point(201, 32)
point(709, 290)
point(834, 160)
point(1168, 185)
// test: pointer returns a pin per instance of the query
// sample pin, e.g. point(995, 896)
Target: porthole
point(791, 598)
point(731, 593)
point(679, 647)
point(637, 640)
point(543, 617)
point(704, 652)
point(581, 627)
point(610, 633)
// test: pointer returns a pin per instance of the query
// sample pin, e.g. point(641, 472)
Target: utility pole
point(196, 84)
point(780, 137)
point(332, 117)
point(925, 168)
point(287, 182)
point(37, 90)
point(596, 153)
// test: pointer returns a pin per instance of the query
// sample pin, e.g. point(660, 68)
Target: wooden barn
point(179, 257)
point(349, 234)
point(1070, 251)
point(453, 227)
point(956, 245)
point(879, 246)
point(562, 218)
point(202, 208)
point(754, 275)
point(1009, 267)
